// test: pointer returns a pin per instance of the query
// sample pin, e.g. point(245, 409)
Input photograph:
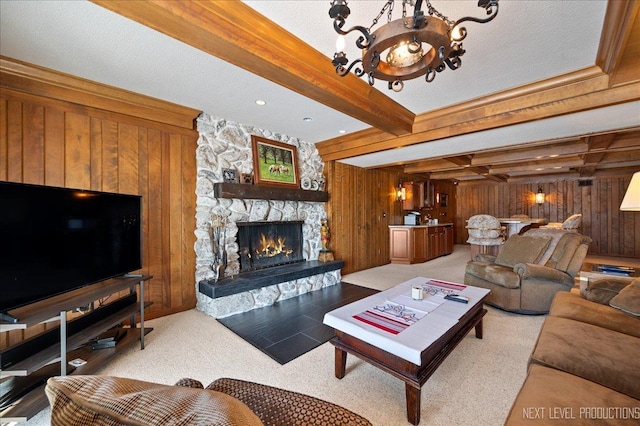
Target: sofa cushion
point(564, 251)
point(550, 396)
point(103, 400)
point(554, 234)
point(572, 306)
point(522, 249)
point(591, 352)
point(628, 300)
point(602, 291)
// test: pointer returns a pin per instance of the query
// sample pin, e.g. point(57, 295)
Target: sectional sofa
point(585, 366)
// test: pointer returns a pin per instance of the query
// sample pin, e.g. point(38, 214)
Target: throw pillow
point(107, 401)
point(628, 300)
point(602, 291)
point(522, 249)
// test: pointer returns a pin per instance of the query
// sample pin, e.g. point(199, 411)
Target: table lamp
point(631, 200)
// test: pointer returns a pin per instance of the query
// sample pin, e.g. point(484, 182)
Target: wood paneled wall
point(362, 204)
point(59, 143)
point(614, 233)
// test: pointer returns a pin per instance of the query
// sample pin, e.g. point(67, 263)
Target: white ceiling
point(528, 41)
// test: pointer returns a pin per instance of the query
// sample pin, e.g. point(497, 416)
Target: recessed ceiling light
point(261, 102)
point(307, 119)
point(342, 132)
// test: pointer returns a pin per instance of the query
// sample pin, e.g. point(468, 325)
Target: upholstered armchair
point(530, 269)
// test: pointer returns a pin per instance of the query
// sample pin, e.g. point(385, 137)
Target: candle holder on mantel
point(325, 254)
point(218, 236)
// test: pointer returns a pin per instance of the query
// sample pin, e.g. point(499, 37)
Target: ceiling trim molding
point(269, 51)
point(578, 96)
point(617, 29)
point(528, 95)
point(32, 79)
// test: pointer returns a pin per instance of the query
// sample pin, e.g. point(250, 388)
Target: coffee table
point(413, 354)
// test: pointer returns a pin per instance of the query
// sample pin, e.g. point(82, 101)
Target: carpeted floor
point(475, 385)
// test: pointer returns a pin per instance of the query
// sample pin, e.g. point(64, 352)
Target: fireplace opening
point(266, 244)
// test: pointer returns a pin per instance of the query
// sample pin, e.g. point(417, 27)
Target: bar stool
point(485, 232)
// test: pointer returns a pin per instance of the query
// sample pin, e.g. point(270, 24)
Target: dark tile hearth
point(292, 327)
point(265, 277)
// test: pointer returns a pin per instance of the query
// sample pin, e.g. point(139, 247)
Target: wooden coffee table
point(415, 353)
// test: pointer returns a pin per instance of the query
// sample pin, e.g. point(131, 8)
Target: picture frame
point(274, 163)
point(230, 176)
point(444, 200)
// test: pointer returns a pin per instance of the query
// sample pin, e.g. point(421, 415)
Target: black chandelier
point(415, 45)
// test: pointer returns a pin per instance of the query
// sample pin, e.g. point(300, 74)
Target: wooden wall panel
point(62, 145)
point(614, 233)
point(361, 207)
point(54, 147)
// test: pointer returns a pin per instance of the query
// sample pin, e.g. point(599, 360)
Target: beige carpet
point(476, 384)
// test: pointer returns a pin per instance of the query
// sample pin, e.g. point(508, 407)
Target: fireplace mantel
point(267, 192)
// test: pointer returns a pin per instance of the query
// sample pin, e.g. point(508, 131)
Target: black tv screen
point(53, 240)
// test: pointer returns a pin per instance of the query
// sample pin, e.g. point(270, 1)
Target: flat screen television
point(54, 240)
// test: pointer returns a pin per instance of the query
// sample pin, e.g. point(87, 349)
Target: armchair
point(530, 269)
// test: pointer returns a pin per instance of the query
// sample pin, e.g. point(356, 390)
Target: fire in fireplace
point(267, 244)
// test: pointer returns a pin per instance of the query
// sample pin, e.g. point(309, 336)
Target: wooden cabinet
point(417, 244)
point(28, 363)
point(408, 244)
point(448, 239)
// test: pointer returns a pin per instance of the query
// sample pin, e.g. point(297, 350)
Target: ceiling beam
point(537, 166)
point(236, 33)
point(550, 150)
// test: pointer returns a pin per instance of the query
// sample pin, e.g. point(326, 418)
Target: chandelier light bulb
point(340, 43)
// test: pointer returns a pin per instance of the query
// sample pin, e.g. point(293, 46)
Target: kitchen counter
point(419, 243)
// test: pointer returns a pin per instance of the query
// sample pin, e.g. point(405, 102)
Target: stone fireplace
point(251, 281)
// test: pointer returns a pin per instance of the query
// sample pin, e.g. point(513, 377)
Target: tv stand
point(26, 376)
point(8, 318)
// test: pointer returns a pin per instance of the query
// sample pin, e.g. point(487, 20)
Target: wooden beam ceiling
point(591, 88)
point(219, 28)
point(236, 33)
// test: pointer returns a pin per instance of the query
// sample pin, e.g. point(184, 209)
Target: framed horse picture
point(274, 163)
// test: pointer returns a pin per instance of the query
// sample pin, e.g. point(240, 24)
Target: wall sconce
point(540, 196)
point(631, 200)
point(401, 193)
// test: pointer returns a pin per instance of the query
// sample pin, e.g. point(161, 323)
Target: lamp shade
point(631, 200)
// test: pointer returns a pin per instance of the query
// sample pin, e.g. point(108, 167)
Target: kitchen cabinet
point(408, 244)
point(417, 244)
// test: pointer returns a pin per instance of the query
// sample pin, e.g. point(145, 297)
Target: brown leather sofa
point(530, 269)
point(107, 400)
point(585, 368)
